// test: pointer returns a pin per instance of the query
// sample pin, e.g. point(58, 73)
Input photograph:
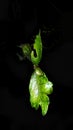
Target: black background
point(19, 22)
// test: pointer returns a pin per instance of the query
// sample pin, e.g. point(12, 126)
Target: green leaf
point(26, 49)
point(37, 46)
point(39, 88)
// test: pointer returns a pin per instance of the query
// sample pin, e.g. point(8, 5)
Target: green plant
point(39, 86)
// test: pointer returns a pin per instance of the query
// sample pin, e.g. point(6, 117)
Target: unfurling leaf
point(37, 49)
point(39, 89)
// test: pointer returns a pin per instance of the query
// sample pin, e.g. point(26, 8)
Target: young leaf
point(37, 48)
point(39, 88)
point(26, 50)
